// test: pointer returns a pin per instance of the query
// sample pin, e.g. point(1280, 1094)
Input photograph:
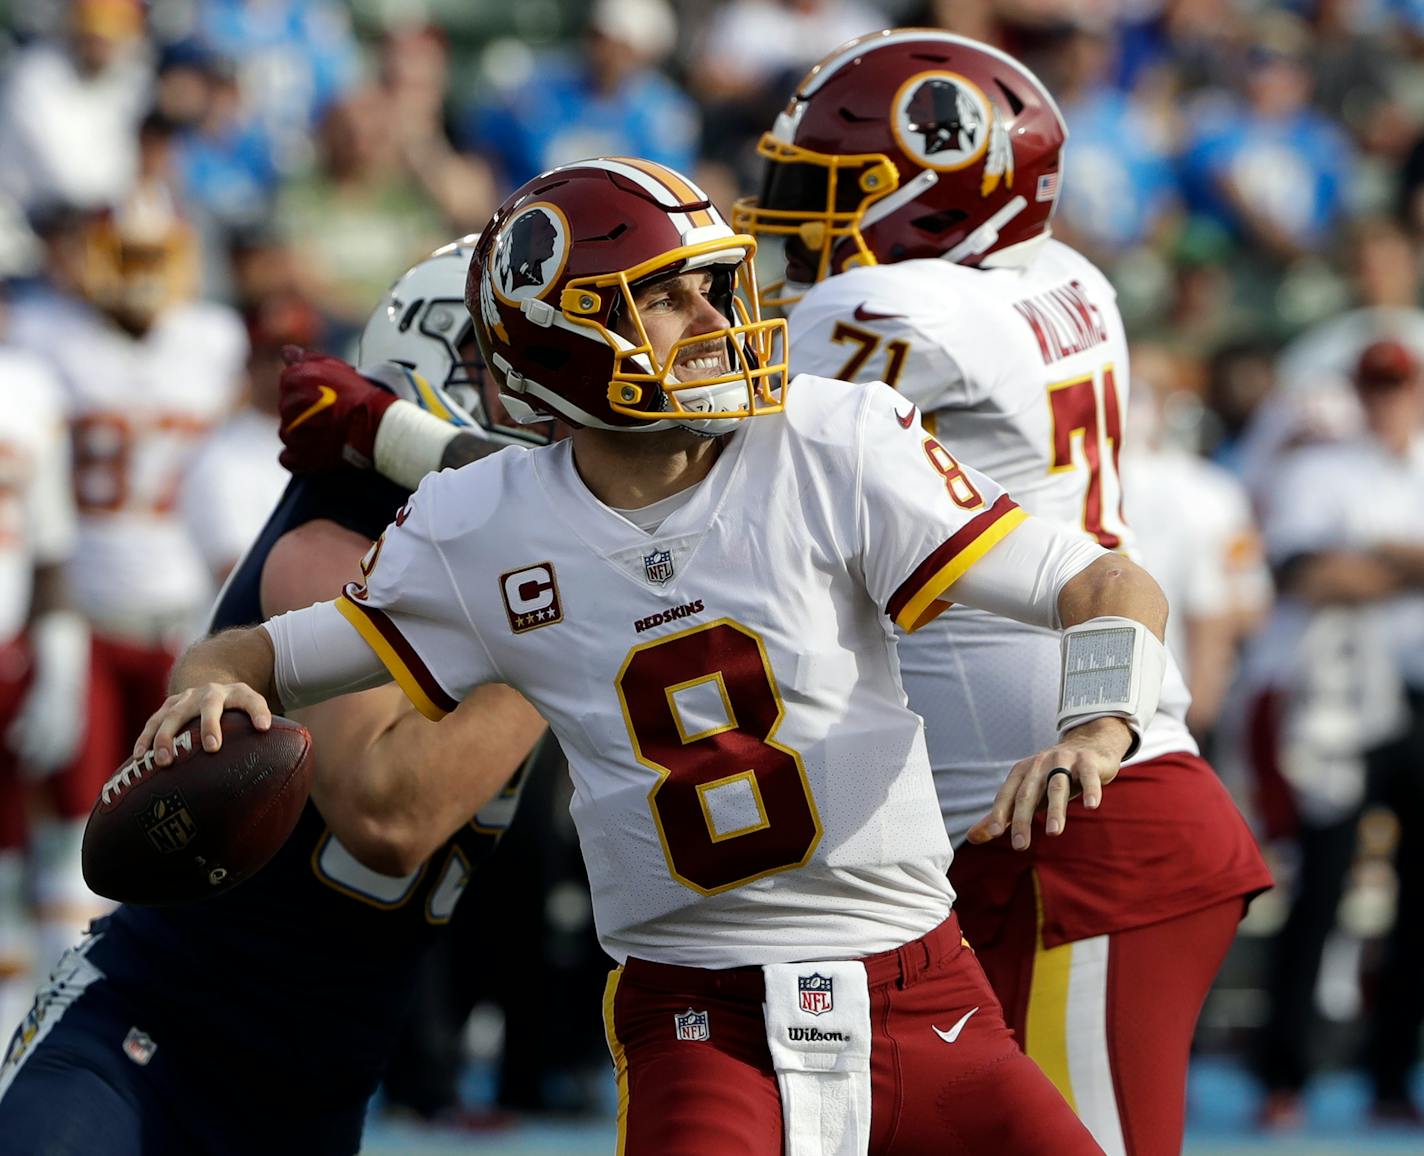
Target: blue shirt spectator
point(606, 100)
point(1290, 170)
point(1270, 168)
point(293, 57)
point(1121, 181)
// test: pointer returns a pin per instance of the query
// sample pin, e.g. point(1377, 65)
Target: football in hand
point(201, 825)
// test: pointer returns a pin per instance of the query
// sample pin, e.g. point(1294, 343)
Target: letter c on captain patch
point(531, 597)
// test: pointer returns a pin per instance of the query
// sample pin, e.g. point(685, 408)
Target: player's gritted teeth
point(708, 359)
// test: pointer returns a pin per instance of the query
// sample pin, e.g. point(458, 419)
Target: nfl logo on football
point(692, 1025)
point(815, 993)
point(168, 824)
point(139, 1046)
point(658, 566)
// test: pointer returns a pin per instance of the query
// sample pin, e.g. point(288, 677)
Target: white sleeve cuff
point(1023, 575)
point(319, 655)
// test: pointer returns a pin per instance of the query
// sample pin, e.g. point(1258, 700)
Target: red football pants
point(1110, 1018)
point(718, 1096)
point(14, 682)
point(127, 683)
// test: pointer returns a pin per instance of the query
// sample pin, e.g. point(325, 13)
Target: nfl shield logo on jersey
point(658, 566)
point(815, 993)
point(692, 1025)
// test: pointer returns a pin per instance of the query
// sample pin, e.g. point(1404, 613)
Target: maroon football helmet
point(554, 278)
point(902, 144)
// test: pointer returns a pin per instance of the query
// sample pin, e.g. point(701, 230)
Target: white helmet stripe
point(706, 222)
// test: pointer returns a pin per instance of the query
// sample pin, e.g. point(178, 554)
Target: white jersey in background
point(1023, 373)
point(36, 506)
point(138, 410)
point(1193, 527)
point(1341, 668)
point(749, 785)
point(232, 486)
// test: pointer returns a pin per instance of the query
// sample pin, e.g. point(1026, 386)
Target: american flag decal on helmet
point(1047, 186)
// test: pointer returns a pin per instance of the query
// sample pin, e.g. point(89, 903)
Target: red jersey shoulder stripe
point(913, 604)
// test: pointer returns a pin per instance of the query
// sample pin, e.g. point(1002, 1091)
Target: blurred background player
point(121, 1050)
point(147, 373)
point(44, 660)
point(1340, 718)
point(234, 480)
point(913, 177)
point(1206, 552)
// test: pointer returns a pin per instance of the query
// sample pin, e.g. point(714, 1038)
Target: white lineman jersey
point(36, 506)
point(1023, 373)
point(138, 410)
point(750, 786)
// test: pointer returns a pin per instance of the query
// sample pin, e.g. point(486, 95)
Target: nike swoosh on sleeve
point(905, 418)
point(326, 398)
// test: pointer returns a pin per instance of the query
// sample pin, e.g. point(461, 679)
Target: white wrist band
point(1112, 668)
point(410, 443)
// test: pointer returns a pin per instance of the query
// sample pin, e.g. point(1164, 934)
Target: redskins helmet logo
point(945, 122)
point(530, 253)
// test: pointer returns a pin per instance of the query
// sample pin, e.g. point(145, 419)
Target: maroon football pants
point(127, 683)
point(935, 1091)
point(1110, 1019)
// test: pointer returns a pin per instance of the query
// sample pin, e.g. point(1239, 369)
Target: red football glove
point(329, 413)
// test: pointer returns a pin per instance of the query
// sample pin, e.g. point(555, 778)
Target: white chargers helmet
point(422, 325)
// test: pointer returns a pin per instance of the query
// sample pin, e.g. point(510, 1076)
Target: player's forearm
point(1113, 587)
point(243, 655)
point(1406, 559)
point(1339, 576)
point(399, 789)
point(464, 448)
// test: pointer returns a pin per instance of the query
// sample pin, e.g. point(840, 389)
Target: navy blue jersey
point(301, 976)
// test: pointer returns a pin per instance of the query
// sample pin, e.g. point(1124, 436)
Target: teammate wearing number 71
point(698, 590)
point(913, 177)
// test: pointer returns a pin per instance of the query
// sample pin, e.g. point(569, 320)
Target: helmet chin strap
point(987, 234)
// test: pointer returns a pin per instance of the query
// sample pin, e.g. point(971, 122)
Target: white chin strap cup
point(1112, 668)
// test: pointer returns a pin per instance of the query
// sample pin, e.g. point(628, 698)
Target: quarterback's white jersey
point(750, 786)
point(138, 409)
point(36, 505)
point(1023, 373)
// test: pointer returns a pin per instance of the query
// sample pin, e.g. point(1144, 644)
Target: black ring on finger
point(1057, 771)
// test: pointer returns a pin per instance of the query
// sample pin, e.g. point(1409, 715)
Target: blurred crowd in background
point(1250, 175)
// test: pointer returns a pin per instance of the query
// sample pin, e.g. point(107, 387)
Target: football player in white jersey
point(912, 177)
point(146, 373)
point(44, 661)
point(697, 590)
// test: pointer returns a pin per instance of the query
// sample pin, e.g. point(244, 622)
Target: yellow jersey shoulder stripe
point(398, 656)
point(918, 601)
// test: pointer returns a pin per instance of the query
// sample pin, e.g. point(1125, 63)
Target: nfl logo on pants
point(815, 993)
point(692, 1025)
